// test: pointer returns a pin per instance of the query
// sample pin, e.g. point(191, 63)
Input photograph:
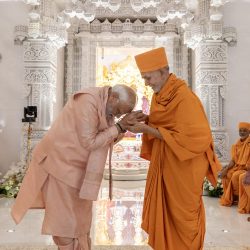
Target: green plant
point(211, 190)
point(11, 182)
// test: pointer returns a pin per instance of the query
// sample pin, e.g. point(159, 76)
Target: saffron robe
point(240, 154)
point(173, 211)
point(244, 195)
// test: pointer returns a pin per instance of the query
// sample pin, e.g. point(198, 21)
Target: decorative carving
point(138, 26)
point(40, 51)
point(211, 80)
point(106, 26)
point(215, 30)
point(21, 33)
point(127, 42)
point(84, 26)
point(127, 26)
point(230, 35)
point(148, 26)
point(204, 92)
point(223, 90)
point(207, 24)
point(126, 11)
point(211, 77)
point(34, 98)
point(213, 53)
point(180, 59)
point(95, 26)
point(221, 142)
point(214, 107)
point(40, 79)
point(69, 71)
point(39, 76)
point(159, 28)
point(117, 26)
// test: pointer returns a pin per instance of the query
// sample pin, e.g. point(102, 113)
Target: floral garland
point(11, 182)
point(211, 190)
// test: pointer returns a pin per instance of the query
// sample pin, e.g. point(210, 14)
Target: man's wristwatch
point(120, 128)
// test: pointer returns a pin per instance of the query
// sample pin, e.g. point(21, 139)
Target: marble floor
point(116, 224)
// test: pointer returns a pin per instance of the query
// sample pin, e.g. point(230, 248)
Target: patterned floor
point(116, 224)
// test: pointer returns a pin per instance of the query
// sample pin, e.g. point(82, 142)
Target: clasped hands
point(134, 121)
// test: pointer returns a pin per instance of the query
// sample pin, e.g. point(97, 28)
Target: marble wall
point(237, 105)
point(11, 82)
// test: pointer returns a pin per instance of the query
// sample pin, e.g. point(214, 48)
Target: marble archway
point(83, 53)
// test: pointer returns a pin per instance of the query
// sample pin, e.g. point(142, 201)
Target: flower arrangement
point(211, 190)
point(11, 181)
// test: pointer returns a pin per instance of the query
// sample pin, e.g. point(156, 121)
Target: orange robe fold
point(244, 196)
point(173, 212)
point(240, 154)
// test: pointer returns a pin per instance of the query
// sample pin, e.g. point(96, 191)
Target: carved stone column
point(210, 86)
point(45, 34)
point(40, 76)
point(180, 59)
point(40, 62)
point(88, 74)
point(69, 63)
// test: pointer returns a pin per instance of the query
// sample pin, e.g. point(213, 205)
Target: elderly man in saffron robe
point(244, 191)
point(67, 166)
point(230, 174)
point(178, 143)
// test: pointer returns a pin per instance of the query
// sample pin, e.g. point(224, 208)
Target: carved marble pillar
point(40, 76)
point(69, 65)
point(77, 65)
point(80, 63)
point(73, 66)
point(44, 35)
point(180, 59)
point(40, 85)
point(88, 74)
point(210, 86)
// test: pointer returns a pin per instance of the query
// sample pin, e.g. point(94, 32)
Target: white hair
point(126, 94)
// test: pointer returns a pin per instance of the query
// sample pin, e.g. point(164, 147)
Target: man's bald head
point(122, 99)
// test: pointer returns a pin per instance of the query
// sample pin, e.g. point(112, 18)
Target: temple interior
point(50, 49)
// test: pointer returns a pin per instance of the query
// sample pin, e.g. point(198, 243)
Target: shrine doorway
point(108, 59)
point(117, 66)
